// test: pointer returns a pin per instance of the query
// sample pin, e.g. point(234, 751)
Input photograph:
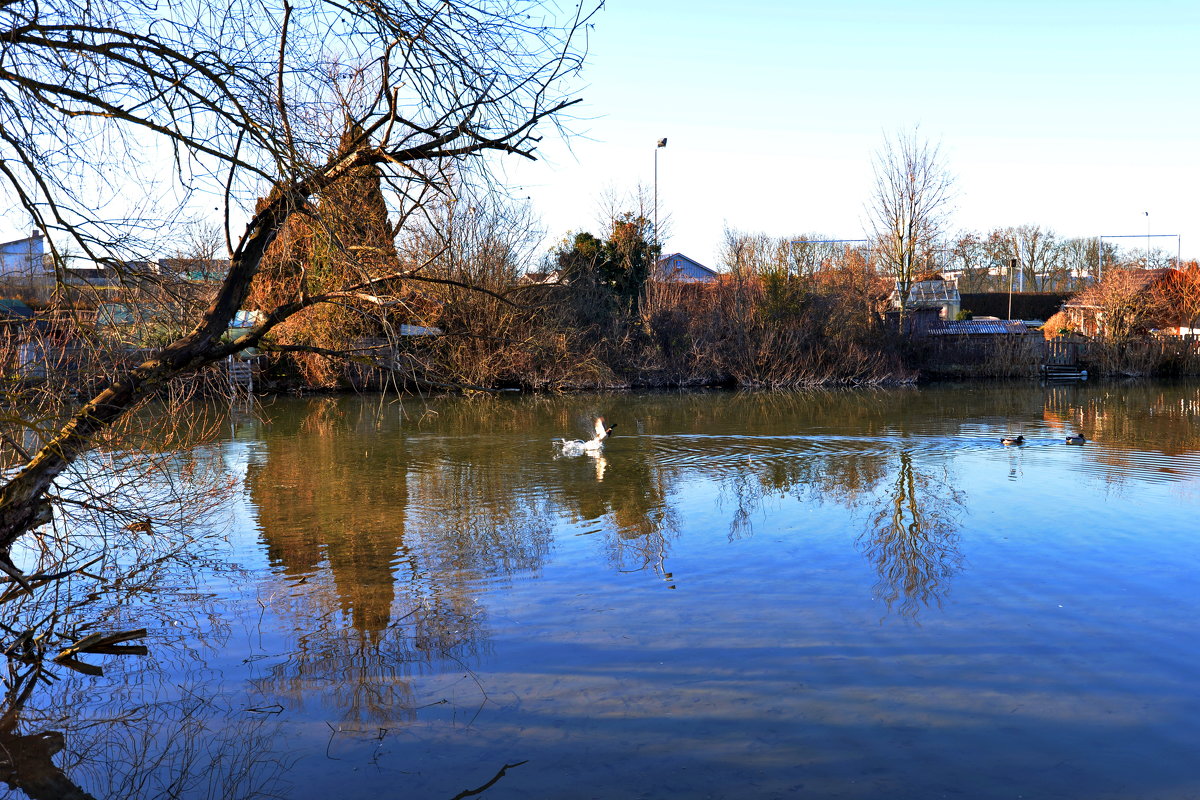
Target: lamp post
point(1147, 240)
point(661, 144)
point(1012, 266)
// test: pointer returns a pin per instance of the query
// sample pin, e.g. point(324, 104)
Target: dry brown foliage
point(774, 330)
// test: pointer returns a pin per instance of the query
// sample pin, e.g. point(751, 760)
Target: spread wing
point(600, 434)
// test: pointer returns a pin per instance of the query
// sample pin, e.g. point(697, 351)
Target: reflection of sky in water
point(855, 594)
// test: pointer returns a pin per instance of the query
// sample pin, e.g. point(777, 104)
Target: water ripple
point(722, 452)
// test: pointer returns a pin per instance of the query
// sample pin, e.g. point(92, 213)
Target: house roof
point(36, 235)
point(551, 277)
point(669, 267)
point(1131, 279)
point(974, 327)
point(11, 308)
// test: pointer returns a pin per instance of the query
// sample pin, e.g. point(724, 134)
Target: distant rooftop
point(968, 327)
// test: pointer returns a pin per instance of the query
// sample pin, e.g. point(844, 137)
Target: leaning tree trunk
point(23, 504)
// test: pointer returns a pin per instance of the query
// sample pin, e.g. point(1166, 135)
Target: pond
point(852, 594)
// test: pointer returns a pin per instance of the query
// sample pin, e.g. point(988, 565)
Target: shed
point(931, 291)
point(199, 270)
point(1130, 302)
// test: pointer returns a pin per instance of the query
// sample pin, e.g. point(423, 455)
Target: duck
point(1007, 440)
point(576, 447)
point(1076, 438)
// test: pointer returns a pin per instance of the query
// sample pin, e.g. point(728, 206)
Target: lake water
point(842, 594)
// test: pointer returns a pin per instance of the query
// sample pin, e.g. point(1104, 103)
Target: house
point(931, 290)
point(1130, 302)
point(24, 257)
point(678, 268)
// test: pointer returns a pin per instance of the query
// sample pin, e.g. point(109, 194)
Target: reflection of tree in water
point(1131, 428)
point(384, 547)
point(631, 494)
point(912, 539)
point(845, 479)
point(149, 723)
point(172, 738)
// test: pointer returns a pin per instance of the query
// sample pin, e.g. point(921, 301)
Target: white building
point(24, 257)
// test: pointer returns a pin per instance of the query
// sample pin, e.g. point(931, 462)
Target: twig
point(16, 575)
point(489, 784)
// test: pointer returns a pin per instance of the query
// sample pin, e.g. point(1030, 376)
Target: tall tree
point(1037, 254)
point(908, 207)
point(619, 264)
point(970, 258)
point(239, 101)
point(629, 255)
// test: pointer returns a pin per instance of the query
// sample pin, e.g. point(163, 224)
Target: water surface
point(856, 594)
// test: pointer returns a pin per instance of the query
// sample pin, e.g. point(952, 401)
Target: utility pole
point(661, 144)
point(1147, 240)
point(1012, 266)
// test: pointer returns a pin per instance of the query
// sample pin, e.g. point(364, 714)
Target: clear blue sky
point(1075, 116)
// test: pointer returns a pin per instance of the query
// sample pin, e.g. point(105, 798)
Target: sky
point(1078, 117)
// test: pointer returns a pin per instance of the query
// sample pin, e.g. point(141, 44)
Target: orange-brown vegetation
point(774, 329)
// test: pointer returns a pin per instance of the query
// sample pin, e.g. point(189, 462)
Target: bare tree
point(1039, 256)
point(241, 101)
point(798, 256)
point(807, 254)
point(970, 257)
point(908, 207)
point(744, 255)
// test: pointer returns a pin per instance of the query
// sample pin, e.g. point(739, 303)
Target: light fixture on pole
point(661, 144)
point(1147, 240)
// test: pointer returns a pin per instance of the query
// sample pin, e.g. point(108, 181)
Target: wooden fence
point(1031, 356)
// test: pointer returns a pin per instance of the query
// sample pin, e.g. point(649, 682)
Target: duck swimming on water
point(577, 447)
point(1076, 438)
point(1007, 440)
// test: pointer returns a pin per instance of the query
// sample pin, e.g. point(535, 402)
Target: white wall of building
point(23, 257)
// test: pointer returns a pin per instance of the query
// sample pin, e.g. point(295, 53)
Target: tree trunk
point(22, 499)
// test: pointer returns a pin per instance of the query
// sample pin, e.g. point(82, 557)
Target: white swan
point(577, 447)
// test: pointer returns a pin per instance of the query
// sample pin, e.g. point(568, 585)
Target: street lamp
point(1147, 240)
point(661, 144)
point(1012, 266)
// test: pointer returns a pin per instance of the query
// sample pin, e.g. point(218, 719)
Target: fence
point(1030, 356)
point(991, 356)
point(1060, 353)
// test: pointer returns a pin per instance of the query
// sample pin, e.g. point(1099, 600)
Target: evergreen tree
point(620, 264)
